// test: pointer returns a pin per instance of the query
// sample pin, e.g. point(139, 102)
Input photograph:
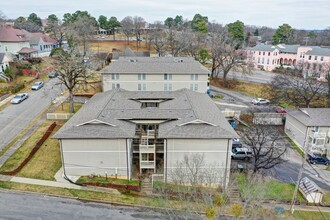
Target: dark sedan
point(318, 160)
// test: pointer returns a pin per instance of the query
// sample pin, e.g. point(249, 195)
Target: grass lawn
point(46, 162)
point(65, 107)
point(269, 190)
point(109, 180)
point(303, 215)
point(128, 198)
point(326, 198)
point(26, 148)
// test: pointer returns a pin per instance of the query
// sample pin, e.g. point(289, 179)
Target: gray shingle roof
point(319, 51)
point(118, 108)
point(262, 47)
point(315, 117)
point(156, 65)
point(281, 47)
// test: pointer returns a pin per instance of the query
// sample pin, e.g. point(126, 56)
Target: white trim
point(92, 167)
point(195, 151)
point(95, 121)
point(198, 121)
point(91, 151)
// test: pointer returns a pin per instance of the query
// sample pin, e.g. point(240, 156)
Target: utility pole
point(305, 147)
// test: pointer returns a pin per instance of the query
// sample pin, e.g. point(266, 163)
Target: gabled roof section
point(197, 121)
point(312, 116)
point(156, 65)
point(9, 34)
point(96, 121)
point(319, 51)
point(114, 114)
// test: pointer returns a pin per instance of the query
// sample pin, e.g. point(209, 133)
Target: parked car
point(53, 74)
point(236, 143)
point(241, 153)
point(37, 85)
point(19, 98)
point(280, 110)
point(316, 159)
point(260, 101)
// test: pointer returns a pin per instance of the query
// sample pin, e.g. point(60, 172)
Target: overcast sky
point(301, 14)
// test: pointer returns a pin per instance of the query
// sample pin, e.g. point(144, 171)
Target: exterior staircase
point(234, 195)
point(146, 186)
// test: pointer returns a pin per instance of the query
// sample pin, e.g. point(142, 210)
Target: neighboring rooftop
point(319, 51)
point(10, 34)
point(160, 65)
point(281, 47)
point(182, 113)
point(312, 116)
point(26, 50)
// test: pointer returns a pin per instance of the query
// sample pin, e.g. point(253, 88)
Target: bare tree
point(158, 41)
point(72, 72)
point(139, 25)
point(2, 18)
point(326, 73)
point(225, 56)
point(193, 188)
point(267, 144)
point(293, 88)
point(127, 27)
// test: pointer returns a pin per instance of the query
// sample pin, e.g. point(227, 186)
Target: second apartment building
point(156, 74)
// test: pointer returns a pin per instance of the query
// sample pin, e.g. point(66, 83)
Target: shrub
point(211, 213)
point(57, 51)
point(17, 88)
point(236, 210)
point(34, 60)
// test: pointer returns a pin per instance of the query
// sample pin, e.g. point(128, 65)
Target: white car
point(260, 101)
point(19, 98)
point(37, 85)
point(241, 153)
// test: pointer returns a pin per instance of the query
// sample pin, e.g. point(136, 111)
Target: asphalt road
point(257, 76)
point(16, 205)
point(14, 118)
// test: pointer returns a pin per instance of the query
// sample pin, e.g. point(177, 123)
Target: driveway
point(14, 118)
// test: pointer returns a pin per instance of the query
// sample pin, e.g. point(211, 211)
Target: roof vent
point(132, 60)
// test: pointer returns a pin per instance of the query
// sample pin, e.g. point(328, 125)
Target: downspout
point(128, 176)
point(165, 165)
point(224, 185)
point(63, 166)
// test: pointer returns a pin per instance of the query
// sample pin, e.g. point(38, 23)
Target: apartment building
point(314, 60)
point(156, 74)
point(309, 128)
point(125, 133)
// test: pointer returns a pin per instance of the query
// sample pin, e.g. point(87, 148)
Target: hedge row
point(136, 188)
point(33, 151)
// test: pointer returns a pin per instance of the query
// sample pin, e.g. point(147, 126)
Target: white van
point(241, 153)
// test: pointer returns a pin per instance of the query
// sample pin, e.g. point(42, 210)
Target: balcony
point(147, 164)
point(143, 148)
point(319, 134)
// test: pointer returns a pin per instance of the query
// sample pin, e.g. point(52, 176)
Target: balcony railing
point(319, 134)
point(147, 148)
point(147, 164)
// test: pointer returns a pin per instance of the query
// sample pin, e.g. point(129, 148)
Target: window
point(167, 87)
point(314, 66)
point(142, 87)
point(308, 66)
point(267, 61)
point(263, 60)
point(322, 58)
point(320, 68)
point(315, 58)
point(115, 85)
point(115, 76)
point(194, 87)
point(258, 59)
point(310, 57)
point(141, 76)
point(167, 76)
point(316, 129)
point(268, 53)
point(263, 53)
point(149, 105)
point(193, 76)
point(259, 52)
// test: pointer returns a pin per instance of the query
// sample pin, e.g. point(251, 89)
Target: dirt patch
point(109, 45)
